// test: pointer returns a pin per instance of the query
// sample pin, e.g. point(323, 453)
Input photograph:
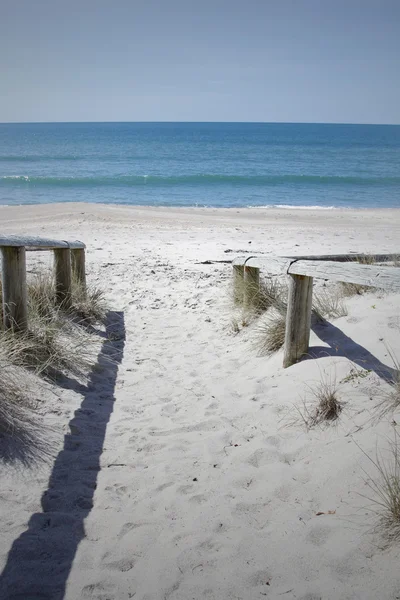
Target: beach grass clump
point(1, 305)
point(51, 346)
point(269, 334)
point(260, 295)
point(384, 488)
point(22, 439)
point(54, 343)
point(13, 400)
point(329, 303)
point(367, 259)
point(354, 289)
point(324, 406)
point(266, 302)
point(88, 302)
point(41, 293)
point(389, 400)
point(272, 293)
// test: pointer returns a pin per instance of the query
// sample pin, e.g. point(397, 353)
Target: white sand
point(205, 486)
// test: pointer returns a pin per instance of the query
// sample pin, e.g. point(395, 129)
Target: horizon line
point(199, 122)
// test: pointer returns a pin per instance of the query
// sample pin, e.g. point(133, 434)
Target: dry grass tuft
point(329, 303)
point(384, 485)
point(269, 292)
point(1, 305)
point(268, 299)
point(354, 289)
point(324, 406)
point(22, 438)
point(51, 347)
point(269, 335)
point(367, 259)
point(88, 304)
point(12, 400)
point(389, 400)
point(234, 325)
point(41, 294)
point(54, 343)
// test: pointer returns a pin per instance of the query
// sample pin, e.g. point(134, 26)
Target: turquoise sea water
point(201, 164)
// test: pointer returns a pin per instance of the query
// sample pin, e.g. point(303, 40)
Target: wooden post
point(298, 318)
point(238, 284)
point(15, 306)
point(62, 267)
point(78, 266)
point(251, 285)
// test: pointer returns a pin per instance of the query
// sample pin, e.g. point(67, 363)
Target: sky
point(204, 60)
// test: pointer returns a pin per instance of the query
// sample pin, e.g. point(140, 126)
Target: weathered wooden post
point(238, 284)
point(78, 266)
point(251, 286)
point(63, 275)
point(298, 318)
point(15, 306)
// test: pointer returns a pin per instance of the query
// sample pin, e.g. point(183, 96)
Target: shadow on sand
point(40, 560)
point(341, 345)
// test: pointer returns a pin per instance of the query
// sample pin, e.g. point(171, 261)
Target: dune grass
point(88, 304)
point(354, 289)
point(269, 333)
point(13, 400)
point(23, 439)
point(384, 488)
point(389, 400)
point(268, 292)
point(57, 341)
point(322, 404)
point(329, 303)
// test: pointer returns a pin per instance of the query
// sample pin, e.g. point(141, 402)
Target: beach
point(186, 472)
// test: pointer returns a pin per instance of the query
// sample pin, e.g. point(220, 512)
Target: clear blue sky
point(203, 60)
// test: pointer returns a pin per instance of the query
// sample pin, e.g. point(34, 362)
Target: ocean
point(201, 164)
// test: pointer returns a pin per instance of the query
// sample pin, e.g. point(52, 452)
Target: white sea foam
point(293, 206)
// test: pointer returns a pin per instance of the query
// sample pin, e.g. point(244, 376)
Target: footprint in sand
point(284, 492)
point(123, 565)
point(163, 486)
point(260, 579)
point(185, 489)
point(318, 536)
point(198, 499)
point(98, 591)
point(128, 527)
point(255, 515)
point(262, 457)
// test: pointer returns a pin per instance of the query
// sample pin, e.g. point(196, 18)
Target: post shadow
point(40, 560)
point(341, 345)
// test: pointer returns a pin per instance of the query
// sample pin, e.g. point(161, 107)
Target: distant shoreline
point(162, 207)
point(200, 123)
point(229, 209)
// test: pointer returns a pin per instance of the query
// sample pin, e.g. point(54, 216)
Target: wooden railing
point(69, 261)
point(301, 271)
